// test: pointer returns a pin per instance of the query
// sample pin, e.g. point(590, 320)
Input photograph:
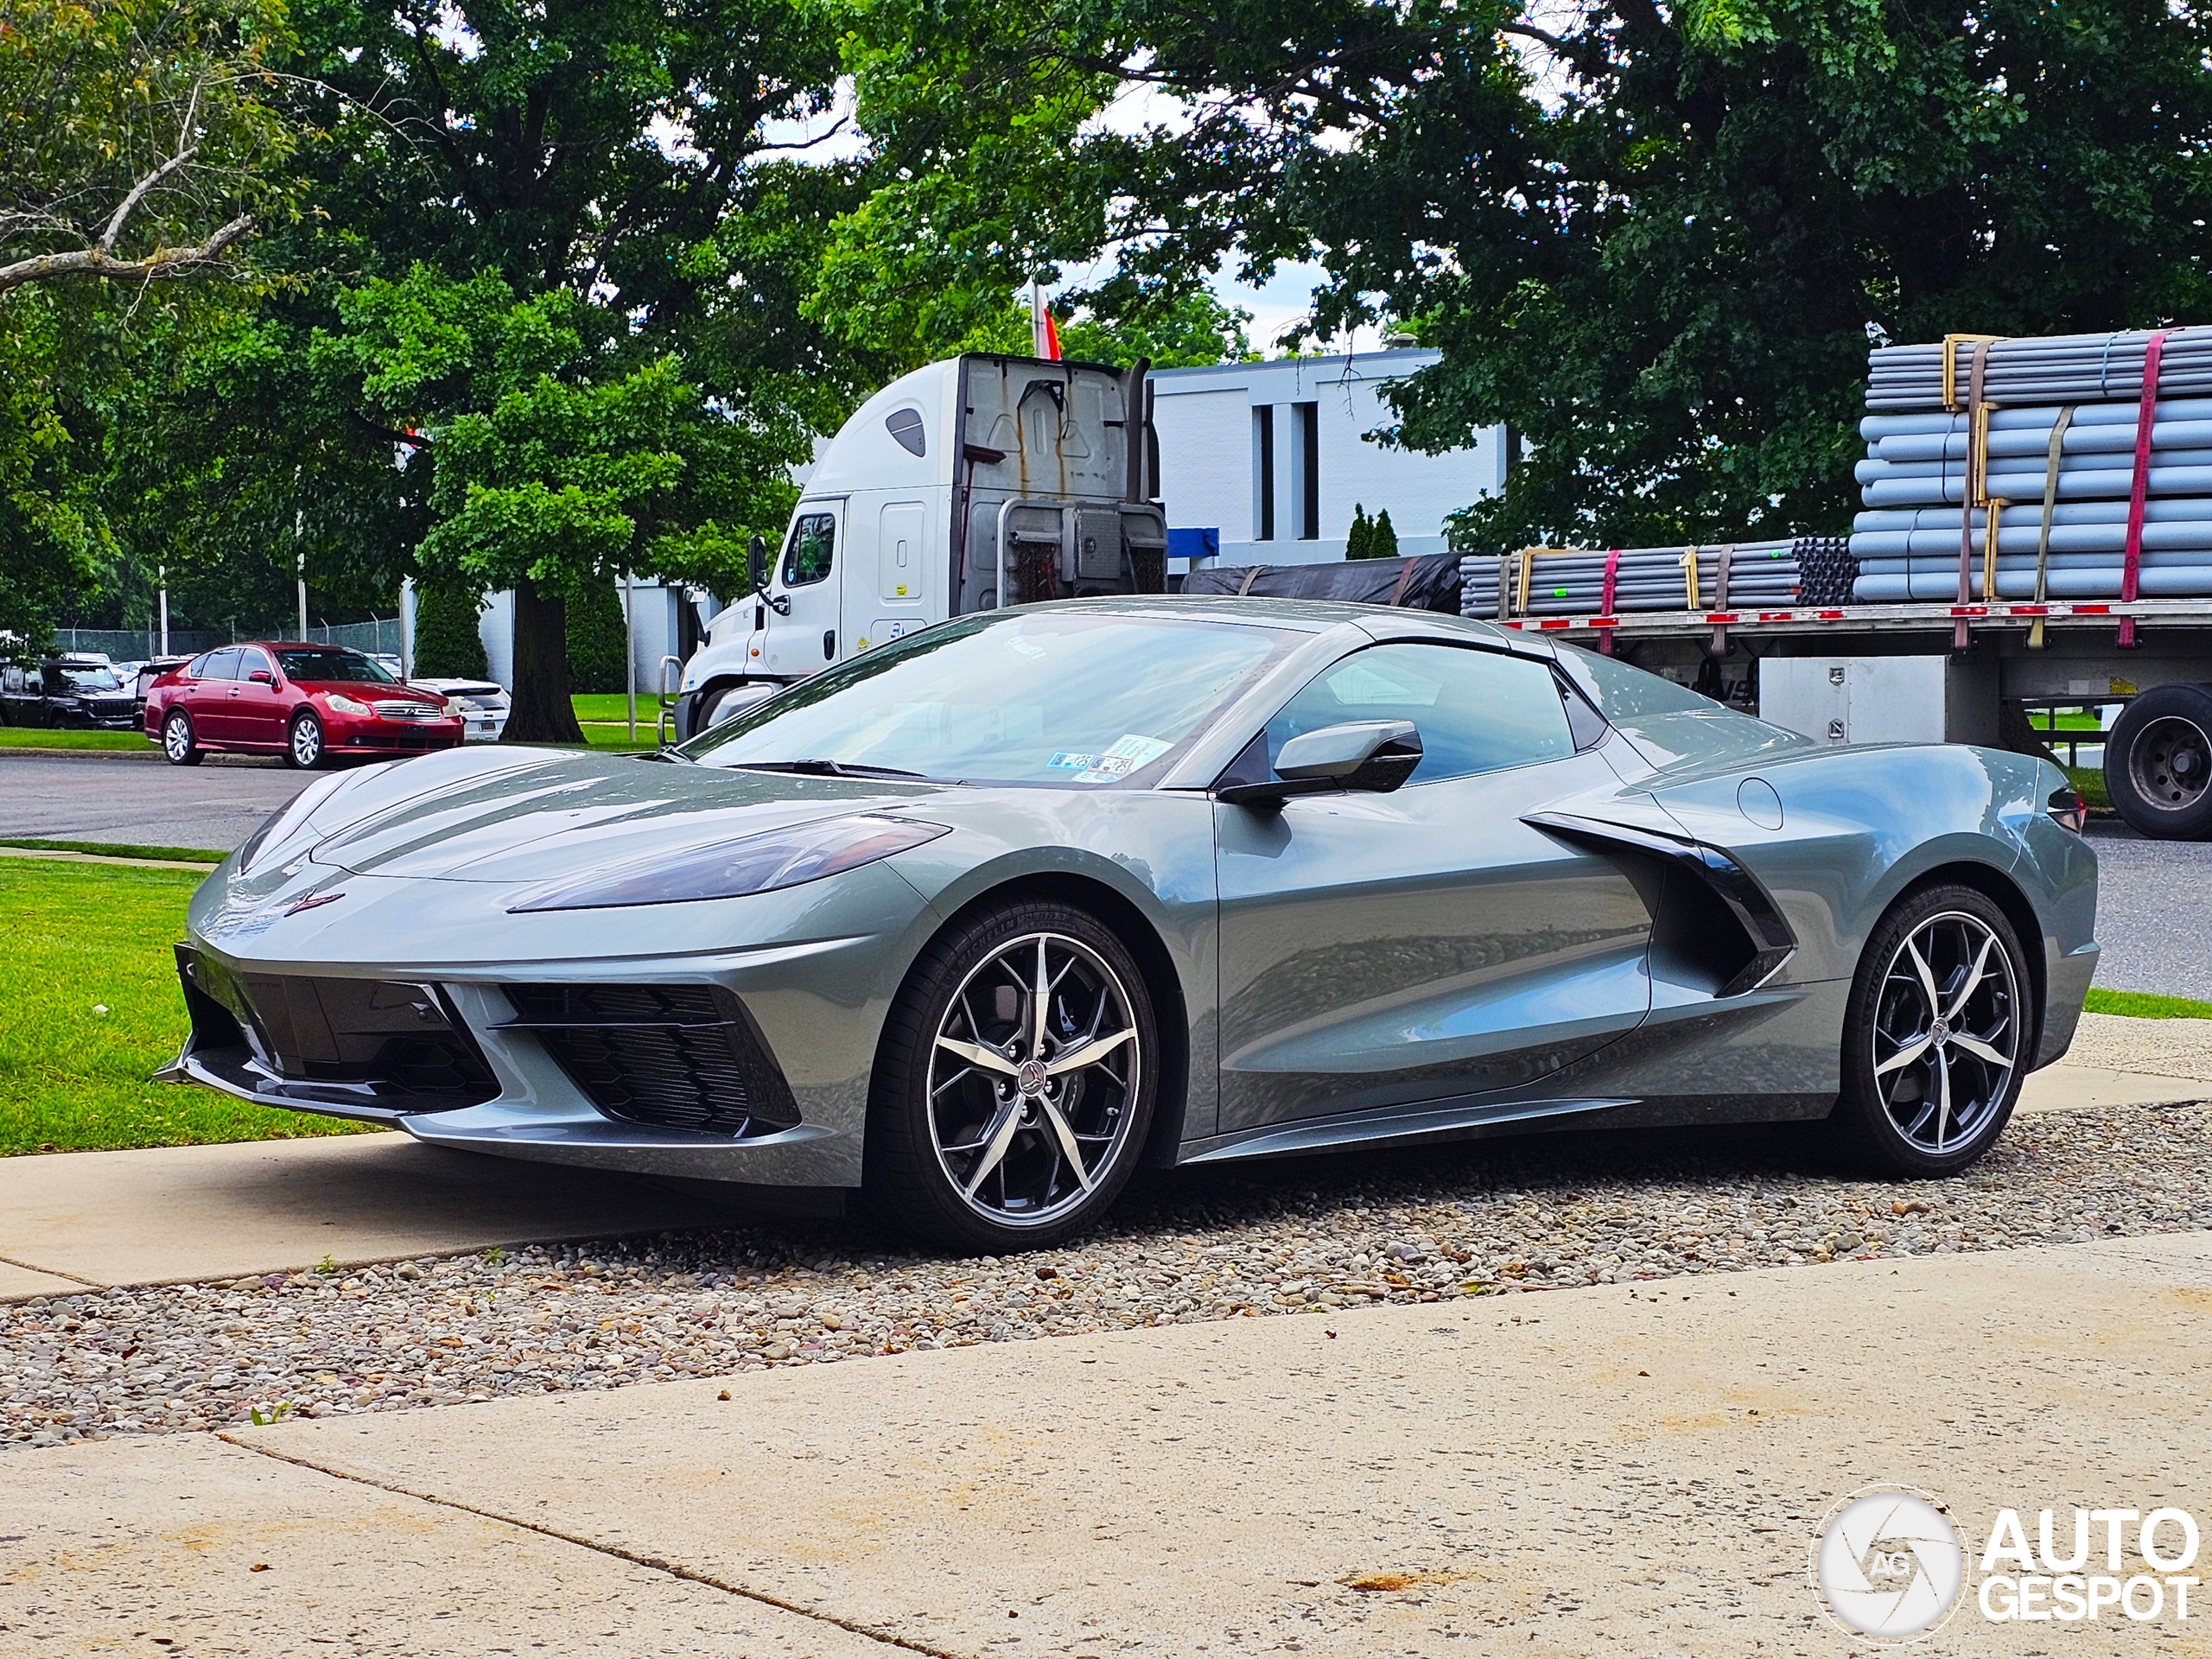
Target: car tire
point(1938, 1038)
point(1021, 1151)
point(180, 747)
point(303, 743)
point(2158, 763)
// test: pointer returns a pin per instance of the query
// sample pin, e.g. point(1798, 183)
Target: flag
point(1052, 337)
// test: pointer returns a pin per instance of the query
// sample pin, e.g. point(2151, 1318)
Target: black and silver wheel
point(303, 742)
point(2158, 763)
point(1016, 1081)
point(1936, 1042)
point(179, 747)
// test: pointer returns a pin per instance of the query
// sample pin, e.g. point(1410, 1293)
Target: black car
point(67, 691)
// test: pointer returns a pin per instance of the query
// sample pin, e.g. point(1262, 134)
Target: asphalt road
point(141, 801)
point(2156, 902)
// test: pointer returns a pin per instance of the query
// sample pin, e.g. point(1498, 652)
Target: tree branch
point(182, 158)
point(99, 261)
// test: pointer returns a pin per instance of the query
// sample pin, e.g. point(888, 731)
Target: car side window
point(812, 546)
point(221, 664)
point(1476, 710)
point(249, 660)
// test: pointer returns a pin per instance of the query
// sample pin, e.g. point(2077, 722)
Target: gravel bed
point(1499, 1217)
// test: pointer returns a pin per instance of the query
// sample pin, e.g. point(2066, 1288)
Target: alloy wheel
point(2170, 763)
point(1946, 1031)
point(1033, 1075)
point(176, 737)
point(307, 744)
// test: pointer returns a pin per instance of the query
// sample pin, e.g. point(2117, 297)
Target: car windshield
point(1082, 699)
point(92, 679)
point(333, 665)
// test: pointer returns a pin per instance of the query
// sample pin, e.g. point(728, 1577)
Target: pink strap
point(2145, 417)
point(1605, 601)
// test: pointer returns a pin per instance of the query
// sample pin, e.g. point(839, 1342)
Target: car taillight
point(2068, 807)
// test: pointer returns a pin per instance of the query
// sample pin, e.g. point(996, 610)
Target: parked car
point(976, 922)
point(74, 690)
point(305, 702)
point(484, 706)
point(147, 672)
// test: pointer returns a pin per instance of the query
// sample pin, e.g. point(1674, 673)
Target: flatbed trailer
point(1979, 667)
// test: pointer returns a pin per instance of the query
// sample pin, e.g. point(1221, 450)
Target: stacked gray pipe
point(1913, 480)
point(1762, 575)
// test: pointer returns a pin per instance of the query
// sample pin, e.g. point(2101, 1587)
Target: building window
point(1306, 468)
point(1263, 473)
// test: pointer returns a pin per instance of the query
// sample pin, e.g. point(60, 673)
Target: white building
point(1272, 458)
point(657, 630)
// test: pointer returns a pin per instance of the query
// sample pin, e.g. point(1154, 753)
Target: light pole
point(161, 575)
point(299, 565)
point(630, 645)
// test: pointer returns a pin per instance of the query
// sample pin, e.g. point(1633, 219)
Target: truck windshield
point(1084, 700)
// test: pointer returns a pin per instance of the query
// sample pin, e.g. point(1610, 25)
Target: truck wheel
point(2158, 763)
point(179, 747)
point(1015, 1083)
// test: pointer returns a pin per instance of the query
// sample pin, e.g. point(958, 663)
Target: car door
point(802, 594)
point(207, 699)
point(257, 708)
point(1383, 950)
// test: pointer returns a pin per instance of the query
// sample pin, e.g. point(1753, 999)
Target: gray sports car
point(982, 919)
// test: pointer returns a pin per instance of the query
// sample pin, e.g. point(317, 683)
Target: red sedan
point(305, 702)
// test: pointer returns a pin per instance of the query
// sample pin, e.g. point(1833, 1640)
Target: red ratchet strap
point(1970, 493)
point(1606, 599)
point(2145, 417)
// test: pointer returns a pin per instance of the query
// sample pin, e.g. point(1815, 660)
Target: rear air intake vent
point(677, 1057)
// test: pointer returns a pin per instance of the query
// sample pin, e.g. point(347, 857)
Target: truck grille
point(678, 1057)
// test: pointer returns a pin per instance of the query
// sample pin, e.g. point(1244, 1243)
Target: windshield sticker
point(1066, 761)
point(1137, 750)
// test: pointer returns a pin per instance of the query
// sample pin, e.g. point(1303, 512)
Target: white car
point(482, 705)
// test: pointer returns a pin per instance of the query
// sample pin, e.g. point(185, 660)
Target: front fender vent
point(677, 1057)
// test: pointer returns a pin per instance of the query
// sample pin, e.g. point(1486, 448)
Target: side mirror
point(756, 563)
point(1375, 756)
point(261, 676)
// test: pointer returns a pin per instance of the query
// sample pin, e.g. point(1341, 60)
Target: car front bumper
point(805, 1009)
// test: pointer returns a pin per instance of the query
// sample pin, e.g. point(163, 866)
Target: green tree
point(447, 644)
point(599, 640)
point(1383, 539)
point(1359, 541)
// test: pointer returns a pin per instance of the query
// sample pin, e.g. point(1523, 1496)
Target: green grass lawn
point(2147, 1005)
point(610, 706)
point(2090, 781)
point(38, 737)
point(86, 936)
point(118, 849)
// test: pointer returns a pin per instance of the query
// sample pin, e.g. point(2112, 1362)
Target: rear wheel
point(303, 742)
point(1936, 1041)
point(1015, 1082)
point(2158, 763)
point(179, 747)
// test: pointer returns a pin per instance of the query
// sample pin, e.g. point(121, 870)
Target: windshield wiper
point(827, 769)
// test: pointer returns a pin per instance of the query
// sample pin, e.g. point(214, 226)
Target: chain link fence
point(376, 637)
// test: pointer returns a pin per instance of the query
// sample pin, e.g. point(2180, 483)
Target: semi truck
point(989, 479)
point(978, 481)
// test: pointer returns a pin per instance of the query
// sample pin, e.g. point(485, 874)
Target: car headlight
point(345, 705)
point(761, 863)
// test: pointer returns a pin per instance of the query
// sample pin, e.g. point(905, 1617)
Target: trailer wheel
point(2158, 763)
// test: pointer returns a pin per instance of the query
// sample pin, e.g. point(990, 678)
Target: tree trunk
point(542, 712)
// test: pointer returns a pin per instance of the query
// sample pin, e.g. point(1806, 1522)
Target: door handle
point(780, 604)
point(828, 645)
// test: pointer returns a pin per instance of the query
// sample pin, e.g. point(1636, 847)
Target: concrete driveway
point(1621, 1469)
point(141, 800)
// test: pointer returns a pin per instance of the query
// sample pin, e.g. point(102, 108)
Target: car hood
point(528, 815)
point(366, 692)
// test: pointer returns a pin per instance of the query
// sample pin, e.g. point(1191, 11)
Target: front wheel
point(179, 747)
point(1937, 1039)
point(1015, 1081)
point(303, 743)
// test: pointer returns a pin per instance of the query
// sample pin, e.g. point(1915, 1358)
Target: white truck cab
point(967, 484)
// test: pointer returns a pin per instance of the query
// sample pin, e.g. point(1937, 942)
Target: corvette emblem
point(310, 902)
